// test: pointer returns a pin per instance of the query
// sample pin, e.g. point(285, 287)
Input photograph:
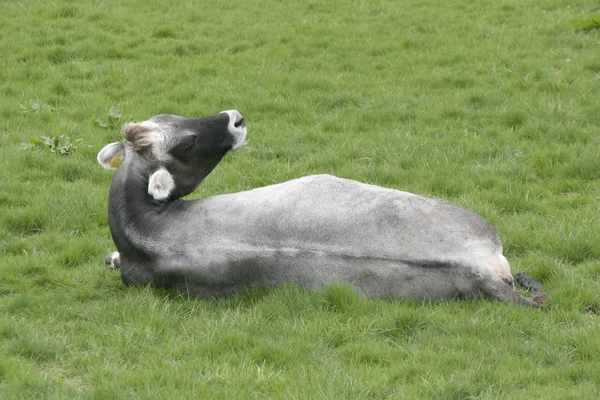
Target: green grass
point(491, 104)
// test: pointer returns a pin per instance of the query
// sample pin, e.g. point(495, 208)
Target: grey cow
point(311, 231)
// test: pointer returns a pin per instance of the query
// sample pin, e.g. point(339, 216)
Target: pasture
point(492, 105)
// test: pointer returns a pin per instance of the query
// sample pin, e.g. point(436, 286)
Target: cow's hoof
point(113, 260)
point(541, 300)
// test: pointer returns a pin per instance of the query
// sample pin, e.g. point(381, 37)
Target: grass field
point(493, 105)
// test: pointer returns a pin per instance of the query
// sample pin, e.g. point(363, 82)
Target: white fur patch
point(161, 184)
point(238, 132)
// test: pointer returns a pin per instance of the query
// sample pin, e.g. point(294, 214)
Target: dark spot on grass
point(115, 53)
point(70, 170)
point(380, 50)
point(21, 304)
point(271, 355)
point(65, 12)
point(412, 44)
point(247, 299)
point(35, 349)
point(9, 200)
point(8, 331)
point(239, 48)
point(34, 270)
point(96, 16)
point(452, 113)
point(61, 88)
point(368, 355)
point(577, 248)
point(347, 67)
point(593, 309)
point(336, 338)
point(405, 116)
point(340, 102)
point(476, 101)
point(513, 119)
point(341, 298)
point(85, 294)
point(457, 389)
point(26, 222)
point(164, 33)
point(593, 66)
point(59, 55)
point(44, 281)
point(79, 253)
point(406, 324)
point(458, 82)
point(180, 51)
point(585, 166)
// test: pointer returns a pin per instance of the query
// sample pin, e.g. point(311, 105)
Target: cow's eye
point(184, 147)
point(190, 147)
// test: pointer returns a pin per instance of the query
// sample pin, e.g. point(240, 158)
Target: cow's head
point(175, 153)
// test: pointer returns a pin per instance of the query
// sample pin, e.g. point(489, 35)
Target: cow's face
point(176, 152)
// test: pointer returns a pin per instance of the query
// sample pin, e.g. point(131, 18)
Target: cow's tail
point(531, 285)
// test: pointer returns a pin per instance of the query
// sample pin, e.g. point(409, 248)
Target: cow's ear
point(161, 184)
point(112, 155)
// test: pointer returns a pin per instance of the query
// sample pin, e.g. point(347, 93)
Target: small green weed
point(60, 145)
point(588, 23)
point(114, 118)
point(32, 107)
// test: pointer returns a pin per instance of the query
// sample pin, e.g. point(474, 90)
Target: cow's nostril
point(239, 123)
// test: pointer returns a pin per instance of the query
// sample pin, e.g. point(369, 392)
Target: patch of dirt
point(541, 299)
point(593, 309)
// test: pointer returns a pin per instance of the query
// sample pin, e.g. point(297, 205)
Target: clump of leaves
point(31, 107)
point(60, 145)
point(113, 120)
point(588, 23)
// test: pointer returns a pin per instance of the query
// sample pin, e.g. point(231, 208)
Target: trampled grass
point(490, 104)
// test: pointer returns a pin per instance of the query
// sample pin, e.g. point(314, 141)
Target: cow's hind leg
point(500, 285)
point(505, 292)
point(113, 260)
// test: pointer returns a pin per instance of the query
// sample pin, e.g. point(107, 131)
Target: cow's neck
point(135, 217)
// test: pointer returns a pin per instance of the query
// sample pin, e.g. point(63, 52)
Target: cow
point(313, 231)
